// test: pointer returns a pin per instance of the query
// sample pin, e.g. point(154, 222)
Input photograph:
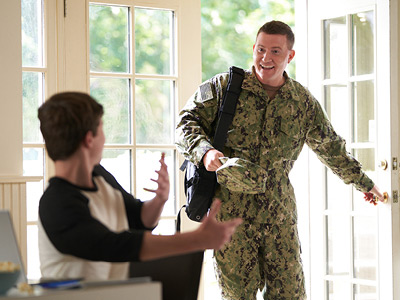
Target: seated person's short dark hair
point(65, 119)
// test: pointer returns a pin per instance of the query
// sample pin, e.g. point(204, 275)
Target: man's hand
point(374, 195)
point(216, 234)
point(162, 191)
point(211, 159)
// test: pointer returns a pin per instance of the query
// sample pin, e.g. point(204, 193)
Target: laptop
point(9, 249)
point(179, 275)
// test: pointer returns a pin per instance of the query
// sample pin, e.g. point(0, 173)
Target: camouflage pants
point(265, 257)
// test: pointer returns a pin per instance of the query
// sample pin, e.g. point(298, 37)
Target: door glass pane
point(364, 111)
point(113, 94)
point(337, 193)
point(338, 246)
point(367, 159)
point(153, 110)
point(360, 205)
point(337, 108)
point(109, 43)
point(118, 163)
point(147, 162)
point(365, 245)
point(32, 98)
point(364, 292)
point(338, 289)
point(32, 33)
point(153, 41)
point(363, 41)
point(335, 50)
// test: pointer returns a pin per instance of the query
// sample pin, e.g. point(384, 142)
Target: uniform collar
point(251, 83)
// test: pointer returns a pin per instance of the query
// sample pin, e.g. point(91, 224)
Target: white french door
point(353, 244)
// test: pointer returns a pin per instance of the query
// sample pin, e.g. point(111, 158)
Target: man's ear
point(291, 55)
point(88, 139)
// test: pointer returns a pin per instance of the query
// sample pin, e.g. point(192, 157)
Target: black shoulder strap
point(227, 111)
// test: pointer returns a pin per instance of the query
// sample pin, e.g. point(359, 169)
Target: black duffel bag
point(200, 185)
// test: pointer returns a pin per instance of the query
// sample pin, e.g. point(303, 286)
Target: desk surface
point(131, 291)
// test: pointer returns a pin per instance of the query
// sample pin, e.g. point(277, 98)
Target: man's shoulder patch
point(206, 91)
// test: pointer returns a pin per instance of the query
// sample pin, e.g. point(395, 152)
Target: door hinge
point(395, 196)
point(394, 163)
point(65, 8)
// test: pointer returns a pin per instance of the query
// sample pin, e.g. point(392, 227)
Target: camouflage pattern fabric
point(240, 175)
point(271, 134)
point(261, 257)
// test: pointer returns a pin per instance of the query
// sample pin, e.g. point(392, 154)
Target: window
point(126, 56)
point(132, 73)
point(34, 85)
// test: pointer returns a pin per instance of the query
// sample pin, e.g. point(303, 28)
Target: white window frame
point(74, 67)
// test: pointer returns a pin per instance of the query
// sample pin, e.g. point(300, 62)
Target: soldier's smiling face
point(270, 58)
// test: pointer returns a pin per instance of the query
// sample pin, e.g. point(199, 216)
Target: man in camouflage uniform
point(275, 116)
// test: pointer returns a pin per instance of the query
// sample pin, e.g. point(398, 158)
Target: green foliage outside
point(109, 52)
point(228, 34)
point(229, 28)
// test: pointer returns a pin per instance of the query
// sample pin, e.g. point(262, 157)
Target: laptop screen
point(9, 250)
point(179, 275)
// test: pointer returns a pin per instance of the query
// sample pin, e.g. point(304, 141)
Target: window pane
point(33, 164)
point(32, 33)
point(33, 161)
point(118, 163)
point(338, 247)
point(153, 109)
point(147, 162)
point(335, 48)
point(337, 108)
point(113, 94)
point(364, 292)
point(367, 158)
point(165, 227)
point(32, 98)
point(365, 247)
point(153, 41)
point(360, 205)
point(338, 290)
point(363, 37)
point(34, 190)
point(337, 193)
point(364, 111)
point(109, 43)
point(33, 268)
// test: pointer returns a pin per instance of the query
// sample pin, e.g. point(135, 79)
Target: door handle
point(383, 164)
point(385, 198)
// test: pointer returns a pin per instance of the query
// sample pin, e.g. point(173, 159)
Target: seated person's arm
point(210, 235)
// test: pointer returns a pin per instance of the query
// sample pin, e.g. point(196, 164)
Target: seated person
point(89, 226)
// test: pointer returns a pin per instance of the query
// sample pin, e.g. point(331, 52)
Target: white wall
point(11, 89)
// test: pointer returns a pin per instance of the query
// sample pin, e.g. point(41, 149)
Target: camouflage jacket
point(270, 133)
